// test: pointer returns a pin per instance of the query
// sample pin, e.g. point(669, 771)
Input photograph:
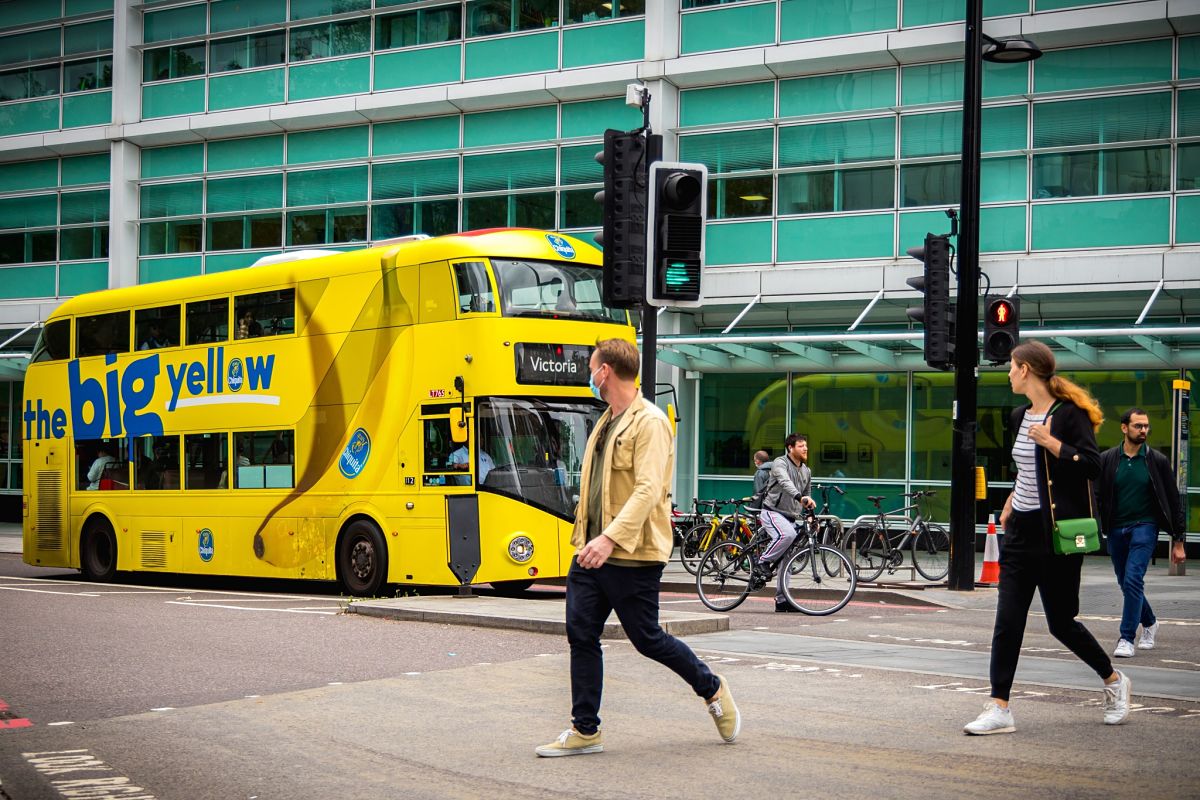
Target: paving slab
point(538, 616)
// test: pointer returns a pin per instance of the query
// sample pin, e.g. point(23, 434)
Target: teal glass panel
point(915, 224)
point(80, 207)
point(512, 55)
point(23, 175)
point(245, 193)
point(321, 186)
point(1003, 179)
point(604, 44)
point(308, 147)
point(1187, 219)
point(827, 191)
point(94, 108)
point(29, 212)
point(1187, 172)
point(20, 282)
point(579, 165)
point(1052, 5)
point(38, 115)
point(151, 270)
point(329, 78)
point(1189, 57)
point(738, 103)
point(829, 94)
point(242, 89)
point(417, 136)
point(518, 170)
point(84, 243)
point(727, 28)
point(933, 12)
point(432, 217)
point(227, 261)
point(1107, 223)
point(307, 9)
point(943, 83)
point(88, 38)
point(421, 67)
point(259, 151)
point(1002, 229)
point(230, 15)
point(1189, 113)
point(738, 243)
point(29, 46)
point(592, 117)
point(81, 170)
point(510, 126)
point(23, 12)
point(1102, 120)
point(87, 6)
point(172, 236)
point(82, 277)
point(180, 159)
point(812, 19)
point(1002, 128)
point(1108, 65)
point(730, 152)
point(837, 142)
point(171, 199)
point(414, 179)
point(175, 23)
point(171, 99)
point(832, 238)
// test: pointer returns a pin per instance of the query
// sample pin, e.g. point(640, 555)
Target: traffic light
point(1001, 327)
point(624, 233)
point(936, 313)
point(675, 236)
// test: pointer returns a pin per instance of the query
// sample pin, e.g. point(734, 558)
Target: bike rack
point(871, 519)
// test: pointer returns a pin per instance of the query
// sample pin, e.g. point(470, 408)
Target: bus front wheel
point(98, 550)
point(361, 559)
point(510, 588)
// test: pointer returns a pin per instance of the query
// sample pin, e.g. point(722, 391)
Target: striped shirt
point(1024, 452)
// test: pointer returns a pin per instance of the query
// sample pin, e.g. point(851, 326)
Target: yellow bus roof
point(494, 242)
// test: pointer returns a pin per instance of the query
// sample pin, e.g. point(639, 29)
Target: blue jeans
point(592, 594)
point(1131, 548)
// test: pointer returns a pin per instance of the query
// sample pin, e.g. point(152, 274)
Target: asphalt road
point(178, 688)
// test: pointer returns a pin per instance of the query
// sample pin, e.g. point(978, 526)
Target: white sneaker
point(994, 719)
point(1146, 641)
point(1124, 649)
point(1116, 699)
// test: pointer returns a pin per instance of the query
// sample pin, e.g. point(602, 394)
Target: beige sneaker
point(725, 713)
point(571, 743)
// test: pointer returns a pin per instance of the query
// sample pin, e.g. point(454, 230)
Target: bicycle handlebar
point(926, 493)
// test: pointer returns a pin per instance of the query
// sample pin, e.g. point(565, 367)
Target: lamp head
point(1010, 51)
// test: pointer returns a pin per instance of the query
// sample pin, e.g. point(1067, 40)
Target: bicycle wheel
point(868, 551)
point(689, 547)
point(809, 589)
point(724, 576)
point(831, 537)
point(931, 552)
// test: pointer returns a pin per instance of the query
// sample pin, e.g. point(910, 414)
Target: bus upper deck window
point(156, 327)
point(54, 342)
point(265, 314)
point(208, 321)
point(101, 334)
point(474, 289)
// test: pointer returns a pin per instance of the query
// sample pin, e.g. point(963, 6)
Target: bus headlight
point(520, 549)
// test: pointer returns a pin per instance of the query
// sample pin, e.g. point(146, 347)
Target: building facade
point(146, 141)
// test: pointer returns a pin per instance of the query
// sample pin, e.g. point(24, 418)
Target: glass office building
point(141, 141)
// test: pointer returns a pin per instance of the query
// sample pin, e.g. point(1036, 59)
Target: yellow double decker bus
point(413, 413)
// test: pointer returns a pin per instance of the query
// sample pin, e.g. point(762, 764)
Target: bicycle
point(832, 532)
point(730, 571)
point(875, 548)
point(697, 541)
point(681, 523)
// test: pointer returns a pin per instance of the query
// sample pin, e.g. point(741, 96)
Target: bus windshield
point(536, 448)
point(551, 289)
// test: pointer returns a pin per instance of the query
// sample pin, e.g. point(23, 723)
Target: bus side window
point(101, 465)
point(439, 456)
point(156, 327)
point(265, 314)
point(204, 460)
point(208, 321)
point(474, 290)
point(54, 342)
point(102, 334)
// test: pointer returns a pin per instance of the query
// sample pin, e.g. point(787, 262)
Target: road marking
point(243, 608)
point(164, 708)
point(48, 591)
point(69, 762)
point(1173, 661)
point(921, 639)
point(9, 720)
point(1062, 699)
point(55, 724)
point(164, 589)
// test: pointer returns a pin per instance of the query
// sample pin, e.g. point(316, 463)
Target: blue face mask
point(592, 385)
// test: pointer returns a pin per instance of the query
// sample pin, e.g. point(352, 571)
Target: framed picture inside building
point(833, 452)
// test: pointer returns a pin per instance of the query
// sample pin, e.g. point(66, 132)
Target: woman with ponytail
point(1055, 447)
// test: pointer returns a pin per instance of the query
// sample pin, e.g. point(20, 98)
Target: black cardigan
point(1078, 462)
point(1169, 511)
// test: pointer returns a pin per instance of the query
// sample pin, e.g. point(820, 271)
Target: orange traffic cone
point(990, 575)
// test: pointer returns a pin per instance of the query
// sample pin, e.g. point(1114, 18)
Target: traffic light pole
point(649, 312)
point(966, 349)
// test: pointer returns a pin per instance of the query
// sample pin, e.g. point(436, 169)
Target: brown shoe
point(725, 713)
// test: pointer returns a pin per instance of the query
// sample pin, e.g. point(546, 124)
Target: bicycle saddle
point(875, 498)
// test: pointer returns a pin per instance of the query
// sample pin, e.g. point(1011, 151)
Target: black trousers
point(592, 594)
point(1056, 579)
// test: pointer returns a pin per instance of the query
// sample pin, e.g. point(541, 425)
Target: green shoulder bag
point(1070, 536)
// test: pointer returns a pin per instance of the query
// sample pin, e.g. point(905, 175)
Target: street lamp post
point(966, 336)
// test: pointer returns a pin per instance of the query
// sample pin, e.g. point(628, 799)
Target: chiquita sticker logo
point(237, 376)
point(206, 545)
point(561, 245)
point(354, 456)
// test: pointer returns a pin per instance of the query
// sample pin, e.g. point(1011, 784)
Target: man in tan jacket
point(623, 540)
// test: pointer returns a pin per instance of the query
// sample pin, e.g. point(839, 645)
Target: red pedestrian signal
point(1002, 312)
point(1001, 327)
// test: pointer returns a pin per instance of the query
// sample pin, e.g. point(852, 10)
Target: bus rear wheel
point(98, 550)
point(361, 559)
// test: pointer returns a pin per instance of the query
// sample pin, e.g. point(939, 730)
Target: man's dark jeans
point(592, 594)
point(1131, 547)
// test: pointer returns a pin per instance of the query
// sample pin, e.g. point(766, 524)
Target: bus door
point(449, 468)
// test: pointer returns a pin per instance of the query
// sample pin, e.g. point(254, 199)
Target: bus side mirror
point(458, 426)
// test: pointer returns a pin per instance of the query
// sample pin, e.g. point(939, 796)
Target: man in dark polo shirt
point(1138, 497)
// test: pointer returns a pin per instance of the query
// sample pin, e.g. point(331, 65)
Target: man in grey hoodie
point(787, 495)
point(762, 476)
